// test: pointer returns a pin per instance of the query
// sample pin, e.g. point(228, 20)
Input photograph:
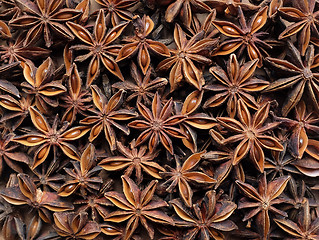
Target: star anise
point(236, 82)
point(158, 124)
point(143, 86)
point(304, 228)
point(185, 9)
point(19, 109)
point(183, 174)
point(75, 226)
point(231, 6)
point(49, 137)
point(186, 53)
point(4, 30)
point(83, 175)
point(117, 10)
point(15, 51)
point(137, 206)
point(133, 159)
point(304, 124)
point(40, 84)
point(305, 19)
point(263, 198)
point(11, 10)
point(99, 46)
point(47, 178)
point(9, 153)
point(141, 44)
point(42, 201)
point(303, 76)
point(247, 37)
point(209, 217)
point(43, 18)
point(107, 115)
point(251, 134)
point(76, 101)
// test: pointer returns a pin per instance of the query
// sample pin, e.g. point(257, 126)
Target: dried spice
point(169, 119)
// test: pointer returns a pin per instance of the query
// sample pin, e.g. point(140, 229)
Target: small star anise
point(158, 124)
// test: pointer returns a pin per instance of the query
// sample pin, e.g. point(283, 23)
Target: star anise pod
point(70, 226)
point(305, 19)
point(247, 37)
point(263, 198)
point(304, 228)
point(206, 218)
point(137, 206)
point(106, 116)
point(186, 53)
point(50, 137)
point(17, 109)
point(236, 82)
point(133, 158)
point(141, 45)
point(100, 47)
point(304, 124)
point(158, 124)
point(4, 30)
point(251, 134)
point(83, 175)
point(143, 86)
point(42, 18)
point(183, 174)
point(302, 76)
point(77, 100)
point(40, 84)
point(117, 10)
point(14, 51)
point(185, 9)
point(9, 153)
point(42, 201)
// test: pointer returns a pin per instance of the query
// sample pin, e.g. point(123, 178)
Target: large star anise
point(183, 174)
point(236, 82)
point(158, 124)
point(99, 46)
point(133, 159)
point(141, 44)
point(107, 115)
point(186, 53)
point(251, 134)
point(137, 206)
point(42, 201)
point(50, 137)
point(263, 198)
point(42, 18)
point(306, 20)
point(302, 76)
point(246, 37)
point(209, 218)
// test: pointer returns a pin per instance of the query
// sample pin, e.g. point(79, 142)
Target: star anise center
point(233, 89)
point(307, 74)
point(181, 54)
point(157, 125)
point(265, 205)
point(250, 134)
point(54, 138)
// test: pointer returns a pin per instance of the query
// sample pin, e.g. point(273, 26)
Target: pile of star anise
point(159, 119)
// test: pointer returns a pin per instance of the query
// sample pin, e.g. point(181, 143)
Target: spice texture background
point(168, 120)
